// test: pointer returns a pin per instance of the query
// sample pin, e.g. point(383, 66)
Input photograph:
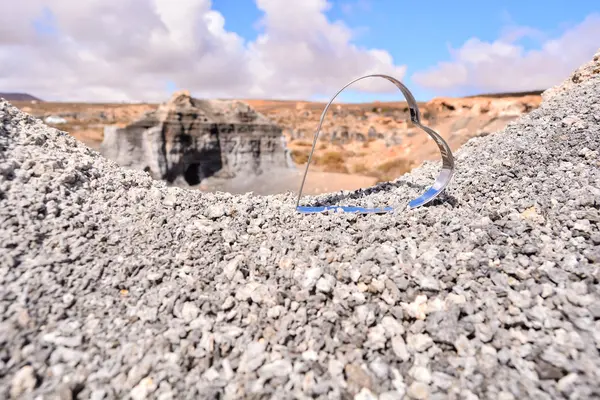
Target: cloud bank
point(113, 50)
point(506, 66)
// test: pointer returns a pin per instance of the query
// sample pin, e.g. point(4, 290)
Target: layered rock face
point(189, 140)
point(459, 119)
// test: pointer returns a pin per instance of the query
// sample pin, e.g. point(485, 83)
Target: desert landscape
point(359, 145)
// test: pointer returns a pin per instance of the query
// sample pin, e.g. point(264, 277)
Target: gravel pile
point(114, 286)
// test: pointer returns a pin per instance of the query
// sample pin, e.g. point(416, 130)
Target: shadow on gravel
point(380, 187)
point(443, 198)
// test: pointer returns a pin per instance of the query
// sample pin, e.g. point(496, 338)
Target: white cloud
point(301, 51)
point(103, 50)
point(504, 65)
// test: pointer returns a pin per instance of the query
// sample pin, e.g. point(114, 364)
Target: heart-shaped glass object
point(442, 180)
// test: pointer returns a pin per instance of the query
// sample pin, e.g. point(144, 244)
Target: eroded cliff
point(189, 140)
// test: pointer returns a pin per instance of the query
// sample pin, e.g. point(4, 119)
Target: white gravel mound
point(114, 286)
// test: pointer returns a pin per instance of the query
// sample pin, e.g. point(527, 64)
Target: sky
point(143, 50)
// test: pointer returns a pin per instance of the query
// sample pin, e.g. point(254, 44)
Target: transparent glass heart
point(442, 180)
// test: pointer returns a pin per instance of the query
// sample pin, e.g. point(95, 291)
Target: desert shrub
point(331, 157)
point(332, 161)
point(392, 169)
point(360, 169)
point(302, 143)
point(300, 156)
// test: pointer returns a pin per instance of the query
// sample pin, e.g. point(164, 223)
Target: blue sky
point(419, 34)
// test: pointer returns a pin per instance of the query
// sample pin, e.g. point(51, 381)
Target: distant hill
point(508, 94)
point(18, 97)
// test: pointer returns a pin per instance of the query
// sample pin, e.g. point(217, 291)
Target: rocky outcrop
point(462, 118)
point(582, 74)
point(189, 140)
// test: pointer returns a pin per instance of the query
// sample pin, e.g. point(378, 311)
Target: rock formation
point(459, 119)
point(585, 72)
point(189, 140)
